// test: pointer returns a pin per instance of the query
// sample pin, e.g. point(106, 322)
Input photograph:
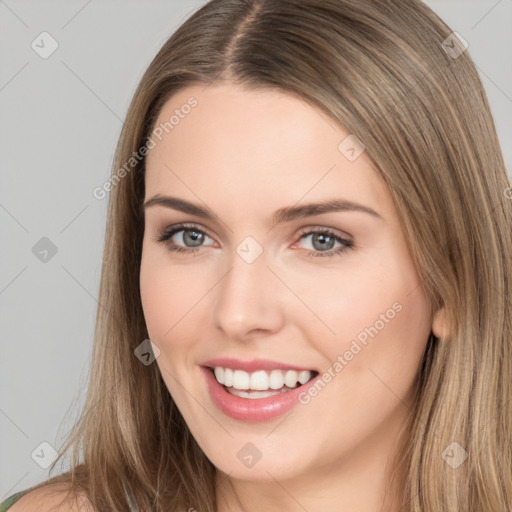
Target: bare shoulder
point(51, 498)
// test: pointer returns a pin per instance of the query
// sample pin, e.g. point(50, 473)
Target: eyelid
point(322, 229)
point(303, 231)
point(346, 243)
point(171, 230)
point(343, 238)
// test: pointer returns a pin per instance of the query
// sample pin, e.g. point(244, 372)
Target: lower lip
point(253, 409)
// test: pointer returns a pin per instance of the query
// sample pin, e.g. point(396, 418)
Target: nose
point(248, 301)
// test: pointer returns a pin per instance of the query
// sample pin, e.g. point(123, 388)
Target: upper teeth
point(261, 379)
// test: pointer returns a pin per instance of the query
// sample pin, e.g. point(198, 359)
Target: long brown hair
point(392, 73)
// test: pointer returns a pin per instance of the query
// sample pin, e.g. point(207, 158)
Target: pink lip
point(251, 366)
point(248, 409)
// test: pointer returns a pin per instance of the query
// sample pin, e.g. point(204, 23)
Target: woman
point(309, 219)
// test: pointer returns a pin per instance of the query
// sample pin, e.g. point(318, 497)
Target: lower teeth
point(256, 394)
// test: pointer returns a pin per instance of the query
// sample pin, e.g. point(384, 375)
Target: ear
point(440, 324)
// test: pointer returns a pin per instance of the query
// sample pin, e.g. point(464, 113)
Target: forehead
point(224, 143)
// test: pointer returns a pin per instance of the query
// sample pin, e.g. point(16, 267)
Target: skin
point(245, 154)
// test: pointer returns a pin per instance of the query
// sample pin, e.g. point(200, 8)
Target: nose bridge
point(246, 297)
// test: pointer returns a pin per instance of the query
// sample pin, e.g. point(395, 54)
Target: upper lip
point(252, 365)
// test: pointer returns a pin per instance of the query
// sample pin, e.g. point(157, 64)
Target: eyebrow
point(286, 214)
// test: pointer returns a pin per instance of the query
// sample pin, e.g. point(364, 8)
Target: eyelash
point(169, 232)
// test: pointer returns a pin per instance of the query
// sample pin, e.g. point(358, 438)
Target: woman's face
point(271, 290)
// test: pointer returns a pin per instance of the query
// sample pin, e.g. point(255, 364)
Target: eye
point(189, 238)
point(323, 242)
point(183, 238)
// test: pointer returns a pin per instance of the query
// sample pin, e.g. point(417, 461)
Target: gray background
point(60, 120)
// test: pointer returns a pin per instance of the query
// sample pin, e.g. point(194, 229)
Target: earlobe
point(440, 324)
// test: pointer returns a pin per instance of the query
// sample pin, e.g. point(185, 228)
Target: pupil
point(326, 242)
point(193, 238)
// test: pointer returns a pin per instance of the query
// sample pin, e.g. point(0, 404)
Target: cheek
point(164, 295)
point(173, 300)
point(374, 360)
point(382, 334)
point(375, 316)
point(381, 371)
point(346, 301)
point(169, 301)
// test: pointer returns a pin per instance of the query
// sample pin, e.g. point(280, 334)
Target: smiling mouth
point(260, 383)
